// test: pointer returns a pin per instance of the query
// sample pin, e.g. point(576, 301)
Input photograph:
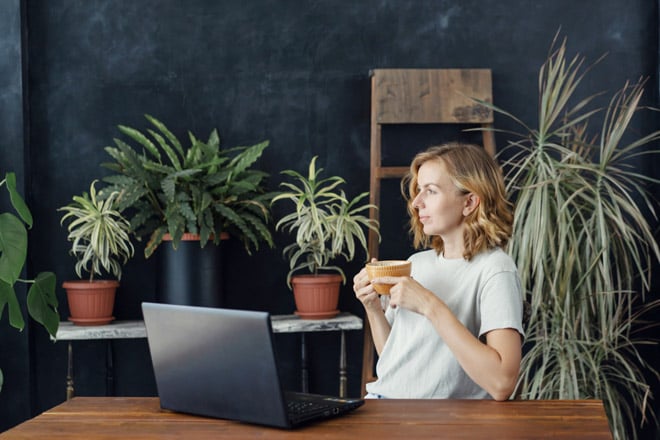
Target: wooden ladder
point(419, 96)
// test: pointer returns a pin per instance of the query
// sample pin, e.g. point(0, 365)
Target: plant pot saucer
point(92, 321)
point(317, 315)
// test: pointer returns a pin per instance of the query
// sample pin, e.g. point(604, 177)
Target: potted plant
point(583, 246)
point(41, 298)
point(101, 242)
point(327, 226)
point(190, 195)
point(199, 189)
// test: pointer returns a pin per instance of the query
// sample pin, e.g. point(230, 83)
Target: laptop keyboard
point(305, 407)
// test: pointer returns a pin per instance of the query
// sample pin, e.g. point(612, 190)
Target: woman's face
point(440, 205)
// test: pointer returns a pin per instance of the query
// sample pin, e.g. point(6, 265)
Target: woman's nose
point(417, 201)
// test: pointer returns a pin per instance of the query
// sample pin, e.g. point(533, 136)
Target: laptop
point(221, 363)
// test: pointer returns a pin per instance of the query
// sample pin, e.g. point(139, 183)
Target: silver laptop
point(221, 363)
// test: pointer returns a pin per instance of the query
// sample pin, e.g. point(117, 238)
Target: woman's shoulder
point(496, 258)
point(427, 255)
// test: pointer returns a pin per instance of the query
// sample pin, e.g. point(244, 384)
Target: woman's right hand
point(365, 292)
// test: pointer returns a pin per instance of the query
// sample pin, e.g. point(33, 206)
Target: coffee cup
point(387, 268)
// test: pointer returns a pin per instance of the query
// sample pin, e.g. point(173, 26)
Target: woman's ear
point(471, 202)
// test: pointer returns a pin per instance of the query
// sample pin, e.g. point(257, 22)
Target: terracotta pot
point(316, 296)
point(187, 236)
point(91, 303)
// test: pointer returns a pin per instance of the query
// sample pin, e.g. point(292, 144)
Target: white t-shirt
point(484, 294)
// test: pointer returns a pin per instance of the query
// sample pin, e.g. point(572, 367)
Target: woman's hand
point(365, 292)
point(409, 294)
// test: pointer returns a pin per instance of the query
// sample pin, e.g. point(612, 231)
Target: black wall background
point(296, 73)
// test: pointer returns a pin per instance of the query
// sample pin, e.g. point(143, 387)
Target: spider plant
point(583, 246)
point(98, 232)
point(327, 224)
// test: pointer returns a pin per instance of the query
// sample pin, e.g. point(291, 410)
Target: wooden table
point(67, 331)
point(96, 418)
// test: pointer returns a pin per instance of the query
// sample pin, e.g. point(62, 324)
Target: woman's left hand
point(408, 293)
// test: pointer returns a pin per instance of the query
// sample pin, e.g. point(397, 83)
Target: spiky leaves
point(583, 247)
point(327, 225)
point(200, 189)
point(98, 232)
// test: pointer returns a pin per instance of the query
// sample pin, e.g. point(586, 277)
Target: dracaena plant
point(41, 298)
point(99, 234)
point(583, 246)
point(327, 225)
point(166, 187)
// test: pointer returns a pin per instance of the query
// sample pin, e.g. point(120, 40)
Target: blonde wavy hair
point(471, 170)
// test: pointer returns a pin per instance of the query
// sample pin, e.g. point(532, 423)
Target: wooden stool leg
point(69, 373)
point(305, 370)
point(109, 369)
point(343, 379)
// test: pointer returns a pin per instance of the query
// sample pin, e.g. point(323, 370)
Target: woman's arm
point(494, 366)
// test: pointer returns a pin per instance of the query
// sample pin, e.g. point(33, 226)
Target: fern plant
point(327, 224)
point(98, 232)
point(583, 246)
point(167, 187)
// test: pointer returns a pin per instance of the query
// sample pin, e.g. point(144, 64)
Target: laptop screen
point(215, 362)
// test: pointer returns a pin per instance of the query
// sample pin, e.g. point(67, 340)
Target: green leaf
point(13, 247)
point(174, 159)
point(17, 201)
point(42, 302)
point(8, 296)
point(6, 291)
point(248, 157)
point(137, 136)
point(168, 134)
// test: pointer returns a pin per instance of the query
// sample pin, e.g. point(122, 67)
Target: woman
point(453, 329)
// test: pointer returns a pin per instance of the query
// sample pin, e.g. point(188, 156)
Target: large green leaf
point(42, 302)
point(163, 129)
point(17, 201)
point(8, 297)
point(248, 156)
point(13, 247)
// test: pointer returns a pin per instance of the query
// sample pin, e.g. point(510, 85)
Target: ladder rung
point(388, 172)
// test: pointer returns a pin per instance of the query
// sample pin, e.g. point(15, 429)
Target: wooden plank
point(420, 96)
point(374, 181)
point(390, 172)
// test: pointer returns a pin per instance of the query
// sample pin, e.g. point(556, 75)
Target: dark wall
point(292, 72)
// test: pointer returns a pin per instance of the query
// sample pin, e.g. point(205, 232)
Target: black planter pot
point(190, 275)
